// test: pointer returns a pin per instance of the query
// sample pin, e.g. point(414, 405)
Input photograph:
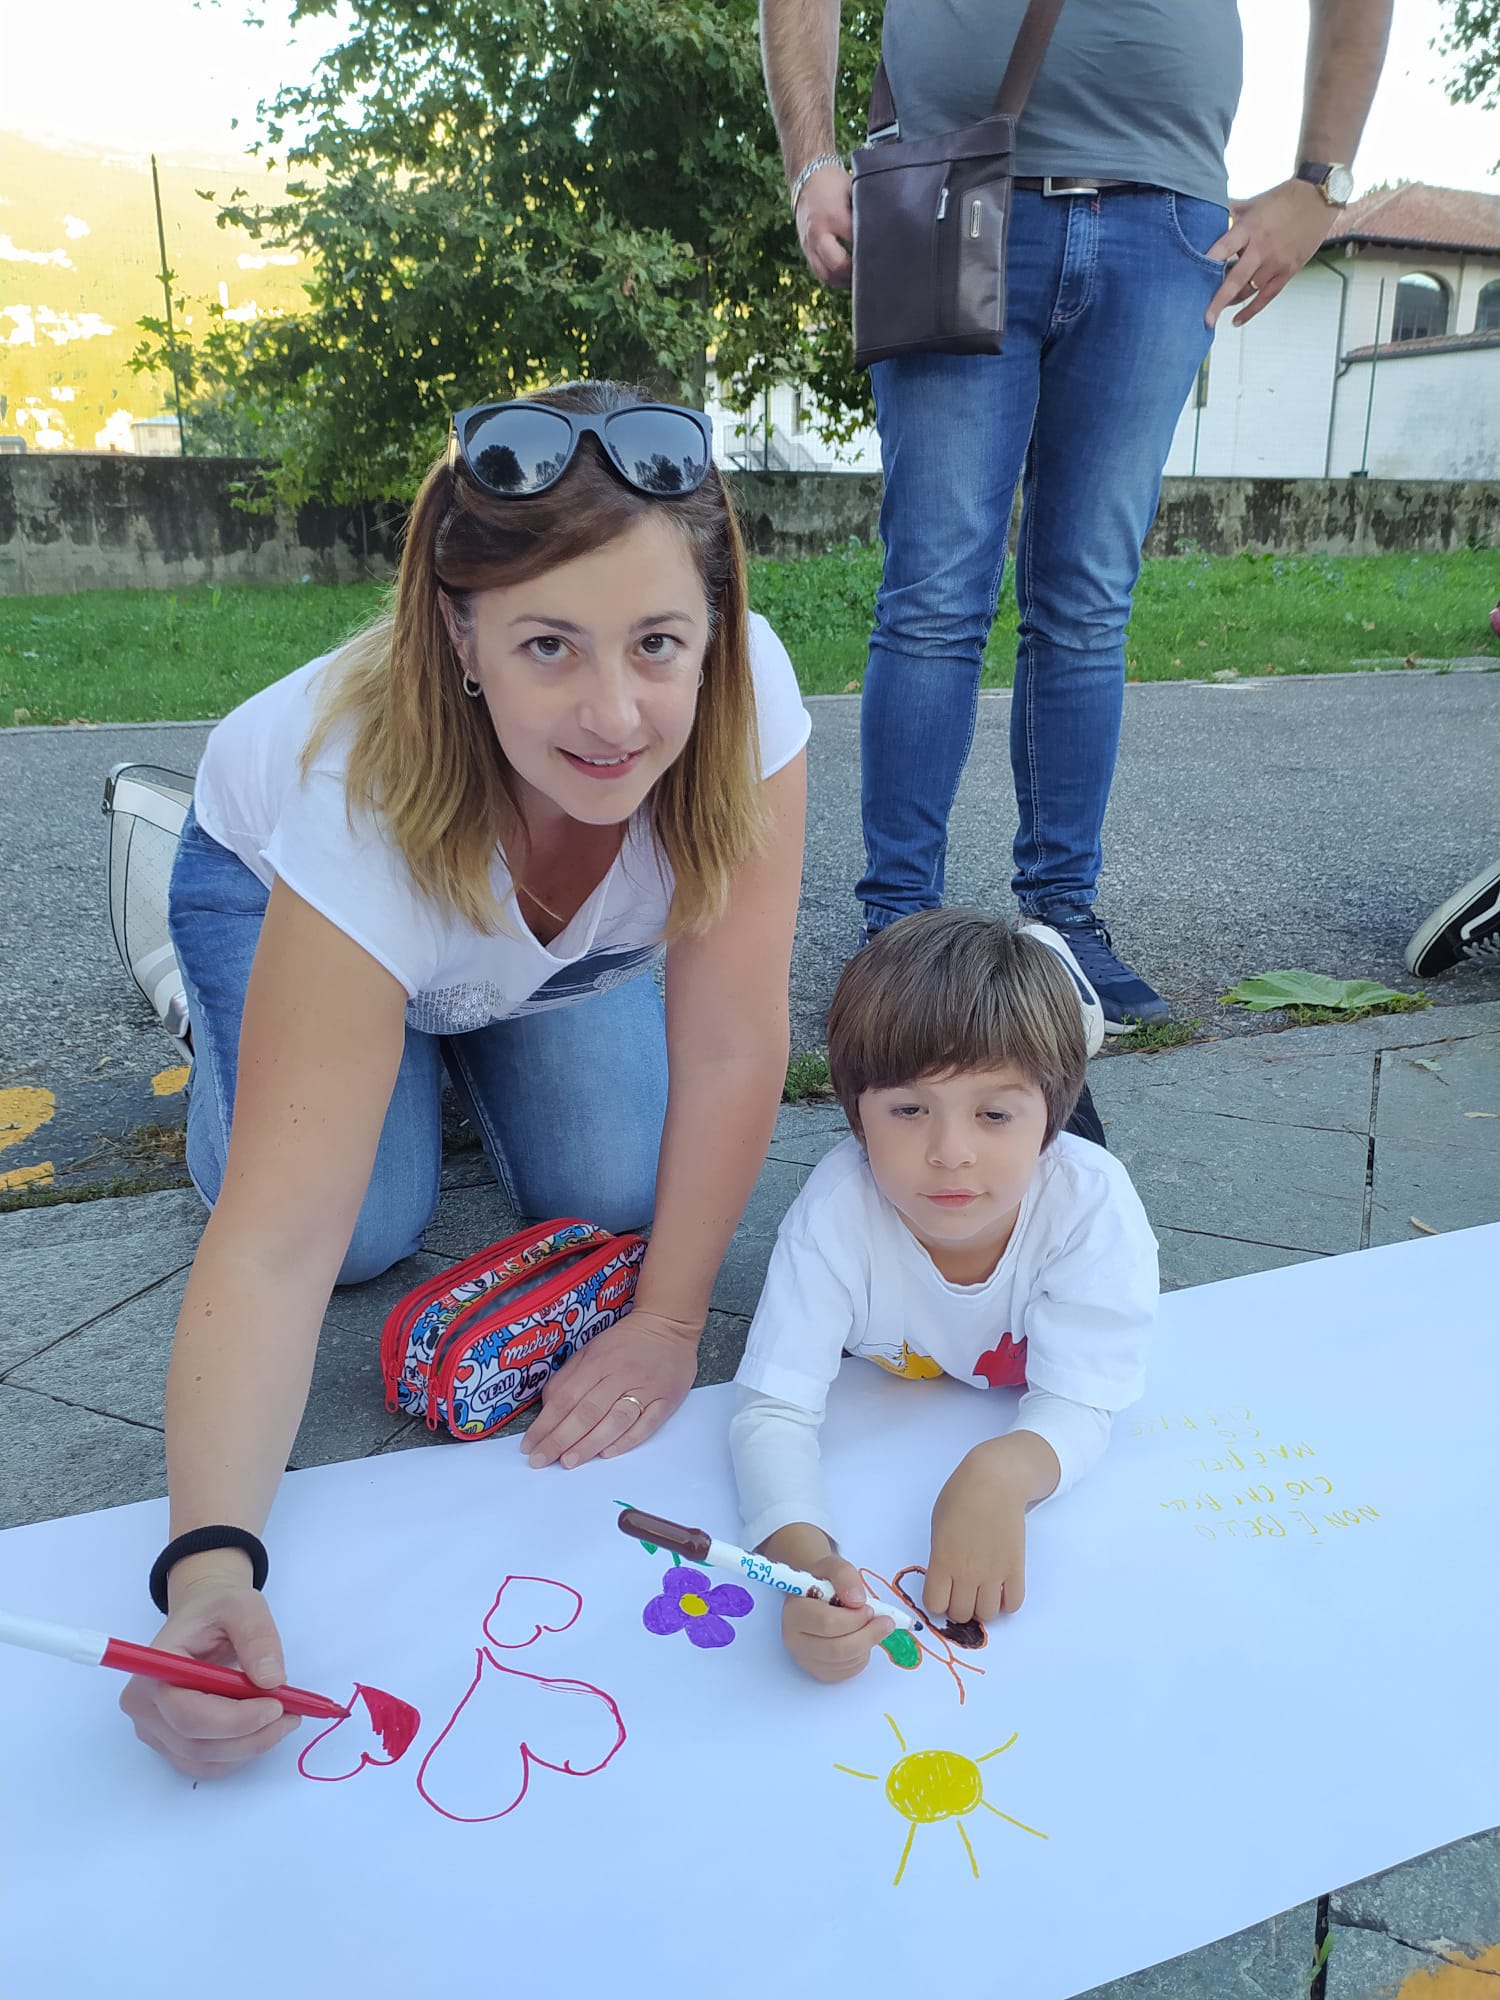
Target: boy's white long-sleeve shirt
point(1066, 1314)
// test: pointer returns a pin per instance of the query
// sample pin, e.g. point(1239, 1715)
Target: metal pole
point(166, 292)
point(1364, 455)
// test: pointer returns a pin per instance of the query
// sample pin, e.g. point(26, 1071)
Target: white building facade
point(1381, 357)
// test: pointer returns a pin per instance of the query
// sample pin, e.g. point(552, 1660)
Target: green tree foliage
point(491, 198)
point(1471, 35)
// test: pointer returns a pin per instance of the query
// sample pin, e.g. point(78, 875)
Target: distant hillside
point(79, 267)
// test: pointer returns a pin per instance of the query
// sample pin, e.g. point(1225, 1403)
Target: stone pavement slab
point(1270, 1961)
point(1440, 1911)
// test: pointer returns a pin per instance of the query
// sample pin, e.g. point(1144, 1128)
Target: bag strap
point(1026, 56)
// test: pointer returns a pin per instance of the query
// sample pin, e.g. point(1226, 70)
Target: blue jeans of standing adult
point(1104, 336)
point(569, 1103)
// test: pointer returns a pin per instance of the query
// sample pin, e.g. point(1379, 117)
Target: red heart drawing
point(480, 1766)
point(527, 1606)
point(386, 1720)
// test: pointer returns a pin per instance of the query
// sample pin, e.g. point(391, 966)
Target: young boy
point(961, 1231)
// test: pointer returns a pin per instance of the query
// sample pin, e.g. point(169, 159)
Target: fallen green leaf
point(1268, 991)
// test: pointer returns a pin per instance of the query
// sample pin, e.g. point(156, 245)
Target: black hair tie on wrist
point(197, 1542)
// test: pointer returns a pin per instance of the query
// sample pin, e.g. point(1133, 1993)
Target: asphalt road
point(1254, 825)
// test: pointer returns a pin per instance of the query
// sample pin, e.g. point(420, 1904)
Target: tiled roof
point(1443, 343)
point(1428, 218)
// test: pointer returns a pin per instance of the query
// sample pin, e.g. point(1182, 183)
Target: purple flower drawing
point(690, 1603)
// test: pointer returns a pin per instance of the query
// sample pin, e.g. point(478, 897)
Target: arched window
point(1487, 318)
point(1421, 307)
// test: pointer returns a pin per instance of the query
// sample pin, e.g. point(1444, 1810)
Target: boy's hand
point(833, 1642)
point(978, 1562)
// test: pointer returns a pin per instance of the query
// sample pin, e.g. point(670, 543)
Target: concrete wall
point(101, 520)
point(93, 521)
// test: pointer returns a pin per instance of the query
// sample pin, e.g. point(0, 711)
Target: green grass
point(1159, 1035)
point(154, 656)
point(807, 1079)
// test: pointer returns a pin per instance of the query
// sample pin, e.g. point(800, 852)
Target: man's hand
point(825, 226)
point(614, 1395)
point(977, 1567)
point(1270, 238)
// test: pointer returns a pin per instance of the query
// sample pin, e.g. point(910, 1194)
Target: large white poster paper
point(1257, 1659)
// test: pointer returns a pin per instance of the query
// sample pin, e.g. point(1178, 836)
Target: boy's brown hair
point(953, 990)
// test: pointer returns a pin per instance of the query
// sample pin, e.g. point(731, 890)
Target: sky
point(190, 70)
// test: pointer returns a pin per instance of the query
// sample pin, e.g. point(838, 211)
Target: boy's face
point(955, 1155)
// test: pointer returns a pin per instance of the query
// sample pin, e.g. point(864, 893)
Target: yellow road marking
point(18, 1177)
point(167, 1082)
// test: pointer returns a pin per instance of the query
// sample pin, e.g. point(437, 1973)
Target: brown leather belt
point(1075, 184)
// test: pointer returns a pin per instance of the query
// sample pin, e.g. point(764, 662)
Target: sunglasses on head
point(516, 450)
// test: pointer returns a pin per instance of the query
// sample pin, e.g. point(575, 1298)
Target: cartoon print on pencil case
point(925, 1786)
point(907, 1649)
point(506, 1724)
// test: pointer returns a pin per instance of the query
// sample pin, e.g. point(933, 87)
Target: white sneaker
point(146, 807)
point(1088, 999)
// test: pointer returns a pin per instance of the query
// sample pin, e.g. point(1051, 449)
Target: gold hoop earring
point(471, 687)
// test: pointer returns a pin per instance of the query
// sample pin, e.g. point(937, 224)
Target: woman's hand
point(208, 1735)
point(618, 1392)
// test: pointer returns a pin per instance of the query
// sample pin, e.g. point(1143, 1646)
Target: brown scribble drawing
point(907, 1649)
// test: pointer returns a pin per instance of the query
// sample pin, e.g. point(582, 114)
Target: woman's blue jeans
point(569, 1103)
point(1104, 336)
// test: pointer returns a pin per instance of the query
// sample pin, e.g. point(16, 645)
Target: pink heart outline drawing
point(525, 1605)
point(394, 1721)
point(485, 1663)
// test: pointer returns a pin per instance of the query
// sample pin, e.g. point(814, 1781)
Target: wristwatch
point(1335, 183)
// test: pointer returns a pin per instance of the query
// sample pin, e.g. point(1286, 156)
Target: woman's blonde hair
point(425, 756)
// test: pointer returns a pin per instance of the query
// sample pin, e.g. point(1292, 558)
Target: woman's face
point(590, 673)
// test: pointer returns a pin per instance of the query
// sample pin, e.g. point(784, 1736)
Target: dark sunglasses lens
point(660, 451)
point(516, 451)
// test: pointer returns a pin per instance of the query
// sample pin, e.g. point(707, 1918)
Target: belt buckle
point(1079, 186)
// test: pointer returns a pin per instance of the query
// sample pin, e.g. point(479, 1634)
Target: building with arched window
point(1382, 355)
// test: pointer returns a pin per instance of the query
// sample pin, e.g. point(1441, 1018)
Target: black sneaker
point(1127, 1000)
point(1464, 931)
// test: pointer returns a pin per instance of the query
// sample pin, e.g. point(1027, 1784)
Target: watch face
point(1339, 185)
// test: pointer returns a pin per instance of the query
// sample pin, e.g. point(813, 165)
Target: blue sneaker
point(1127, 1000)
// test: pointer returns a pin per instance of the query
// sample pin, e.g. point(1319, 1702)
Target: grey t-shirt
point(1131, 90)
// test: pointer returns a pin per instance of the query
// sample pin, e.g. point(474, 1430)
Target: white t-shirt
point(1066, 1314)
point(250, 797)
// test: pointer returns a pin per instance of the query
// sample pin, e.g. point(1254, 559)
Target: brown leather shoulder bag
point(931, 218)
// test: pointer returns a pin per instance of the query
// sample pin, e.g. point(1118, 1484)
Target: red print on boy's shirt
point(1004, 1367)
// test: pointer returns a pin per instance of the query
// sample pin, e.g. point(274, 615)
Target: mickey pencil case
point(474, 1345)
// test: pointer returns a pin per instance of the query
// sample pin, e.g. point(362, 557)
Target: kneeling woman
point(460, 842)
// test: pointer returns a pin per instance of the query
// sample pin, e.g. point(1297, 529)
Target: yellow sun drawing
point(928, 1785)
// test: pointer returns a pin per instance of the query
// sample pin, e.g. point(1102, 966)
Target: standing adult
point(1122, 255)
point(461, 841)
